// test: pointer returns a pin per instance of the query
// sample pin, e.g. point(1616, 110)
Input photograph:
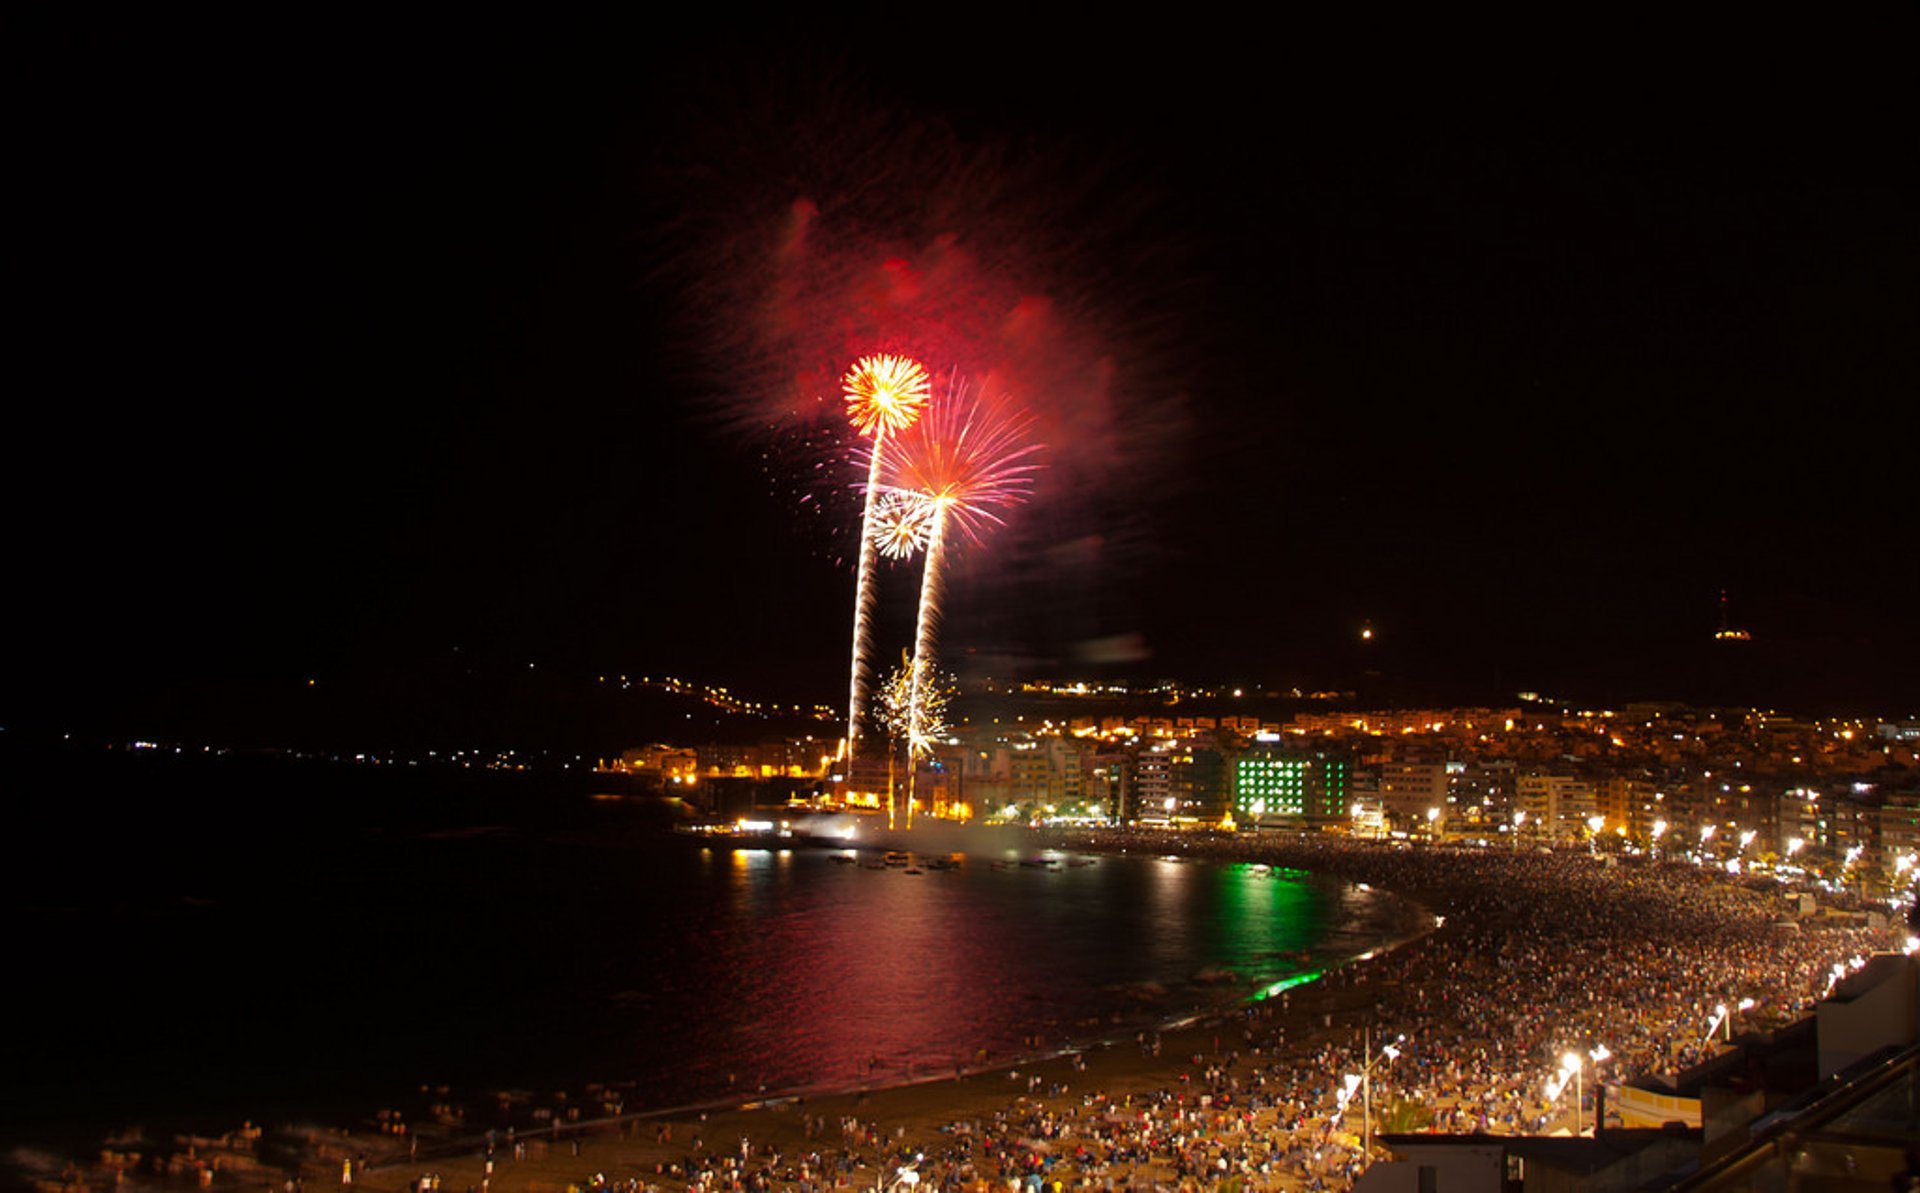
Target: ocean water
point(201, 941)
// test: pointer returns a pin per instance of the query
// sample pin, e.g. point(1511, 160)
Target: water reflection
point(805, 972)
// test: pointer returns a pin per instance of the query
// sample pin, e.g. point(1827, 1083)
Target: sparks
point(900, 524)
point(885, 393)
point(912, 708)
point(896, 707)
point(967, 460)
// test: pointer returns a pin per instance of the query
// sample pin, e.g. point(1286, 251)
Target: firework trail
point(884, 395)
point(965, 461)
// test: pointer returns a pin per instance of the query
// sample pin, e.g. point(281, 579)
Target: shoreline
point(1307, 1029)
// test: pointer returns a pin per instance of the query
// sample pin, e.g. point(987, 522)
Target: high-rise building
point(1411, 789)
point(1199, 785)
point(1153, 783)
point(1280, 788)
point(1631, 800)
point(1558, 807)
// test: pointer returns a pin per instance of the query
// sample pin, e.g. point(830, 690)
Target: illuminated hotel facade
point(1280, 788)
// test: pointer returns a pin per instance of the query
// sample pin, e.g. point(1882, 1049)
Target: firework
point(894, 710)
point(884, 395)
point(900, 524)
point(966, 461)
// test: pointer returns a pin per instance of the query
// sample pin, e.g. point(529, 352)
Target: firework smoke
point(812, 222)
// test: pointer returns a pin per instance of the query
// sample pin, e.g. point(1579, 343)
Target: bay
point(210, 940)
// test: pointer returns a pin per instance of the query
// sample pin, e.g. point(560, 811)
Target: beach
point(1530, 955)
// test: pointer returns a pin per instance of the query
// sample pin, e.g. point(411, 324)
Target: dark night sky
point(342, 346)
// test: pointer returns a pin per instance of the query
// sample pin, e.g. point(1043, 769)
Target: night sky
point(349, 349)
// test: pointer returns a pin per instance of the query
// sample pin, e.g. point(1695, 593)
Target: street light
point(1659, 831)
point(906, 1178)
point(1722, 1017)
point(1571, 1067)
point(1363, 1081)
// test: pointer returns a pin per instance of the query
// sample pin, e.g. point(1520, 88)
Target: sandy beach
point(1121, 1082)
point(1529, 955)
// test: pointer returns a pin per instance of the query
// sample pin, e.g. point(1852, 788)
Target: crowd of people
point(1536, 955)
point(1531, 956)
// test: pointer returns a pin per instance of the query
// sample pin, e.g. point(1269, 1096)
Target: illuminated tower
point(1727, 633)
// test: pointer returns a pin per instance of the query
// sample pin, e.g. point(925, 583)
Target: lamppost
point(1433, 824)
point(1853, 855)
point(1594, 825)
point(1571, 1066)
point(1519, 818)
point(1706, 834)
point(1724, 1018)
point(906, 1177)
point(1659, 831)
point(1363, 1082)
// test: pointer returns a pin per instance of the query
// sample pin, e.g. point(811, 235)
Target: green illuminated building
point(1278, 788)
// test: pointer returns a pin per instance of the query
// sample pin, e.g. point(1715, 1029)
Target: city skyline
point(450, 342)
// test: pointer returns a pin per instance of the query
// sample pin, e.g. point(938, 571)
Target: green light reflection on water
point(1286, 984)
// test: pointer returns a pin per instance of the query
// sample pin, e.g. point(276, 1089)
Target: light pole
point(1363, 1082)
point(1572, 1065)
point(1722, 1018)
point(1659, 831)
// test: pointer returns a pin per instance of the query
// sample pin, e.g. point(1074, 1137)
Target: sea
point(201, 940)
